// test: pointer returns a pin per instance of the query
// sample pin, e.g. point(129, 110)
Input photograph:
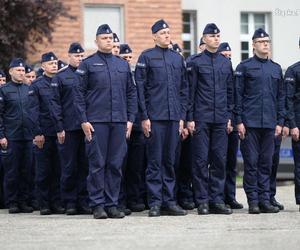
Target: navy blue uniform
point(260, 106)
point(15, 126)
point(47, 158)
point(106, 97)
point(292, 79)
point(72, 152)
point(160, 76)
point(211, 97)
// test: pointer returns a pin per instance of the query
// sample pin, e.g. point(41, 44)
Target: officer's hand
point(229, 127)
point(87, 129)
point(146, 125)
point(191, 127)
point(278, 130)
point(61, 137)
point(181, 127)
point(241, 130)
point(3, 143)
point(129, 129)
point(184, 134)
point(295, 134)
point(39, 140)
point(285, 132)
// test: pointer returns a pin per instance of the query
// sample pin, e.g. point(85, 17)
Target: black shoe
point(187, 205)
point(57, 209)
point(268, 208)
point(99, 213)
point(71, 209)
point(234, 204)
point(84, 210)
point(173, 210)
point(154, 211)
point(24, 208)
point(275, 203)
point(253, 209)
point(137, 207)
point(220, 208)
point(125, 210)
point(14, 209)
point(45, 211)
point(114, 213)
point(203, 208)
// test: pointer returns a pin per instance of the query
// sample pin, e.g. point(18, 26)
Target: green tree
point(25, 23)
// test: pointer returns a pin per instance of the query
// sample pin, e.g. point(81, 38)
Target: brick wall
point(139, 15)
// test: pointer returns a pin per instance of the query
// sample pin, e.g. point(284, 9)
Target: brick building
point(130, 19)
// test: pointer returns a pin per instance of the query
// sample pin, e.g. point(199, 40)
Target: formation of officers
point(97, 137)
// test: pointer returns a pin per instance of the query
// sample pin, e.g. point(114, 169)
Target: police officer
point(233, 144)
point(116, 45)
point(107, 103)
point(61, 64)
point(126, 52)
point(2, 77)
point(30, 74)
point(292, 80)
point(162, 89)
point(70, 136)
point(260, 114)
point(16, 139)
point(45, 148)
point(209, 117)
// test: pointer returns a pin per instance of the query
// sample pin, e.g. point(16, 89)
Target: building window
point(95, 15)
point(189, 33)
point(249, 23)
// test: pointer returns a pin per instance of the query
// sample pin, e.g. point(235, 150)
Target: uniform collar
point(160, 48)
point(263, 60)
point(72, 68)
point(210, 54)
point(49, 79)
point(16, 83)
point(104, 55)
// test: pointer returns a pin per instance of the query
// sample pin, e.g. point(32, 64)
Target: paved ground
point(237, 231)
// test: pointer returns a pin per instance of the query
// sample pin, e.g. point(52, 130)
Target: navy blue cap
point(49, 56)
point(61, 64)
point(28, 69)
point(103, 29)
point(115, 38)
point(75, 48)
point(159, 25)
point(260, 33)
point(176, 48)
point(211, 28)
point(17, 62)
point(125, 49)
point(2, 73)
point(224, 47)
point(201, 41)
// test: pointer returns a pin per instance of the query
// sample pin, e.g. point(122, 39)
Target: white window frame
point(192, 36)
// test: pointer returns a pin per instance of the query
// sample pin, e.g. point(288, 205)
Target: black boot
point(84, 210)
point(136, 207)
point(125, 210)
point(187, 205)
point(203, 209)
point(154, 211)
point(13, 208)
point(71, 209)
point(57, 209)
point(99, 213)
point(234, 204)
point(114, 213)
point(220, 208)
point(268, 208)
point(45, 211)
point(275, 203)
point(173, 210)
point(24, 208)
point(253, 209)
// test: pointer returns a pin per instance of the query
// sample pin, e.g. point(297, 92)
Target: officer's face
point(127, 57)
point(262, 45)
point(212, 41)
point(17, 74)
point(162, 38)
point(116, 49)
point(2, 80)
point(104, 42)
point(30, 77)
point(226, 53)
point(50, 67)
point(75, 59)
